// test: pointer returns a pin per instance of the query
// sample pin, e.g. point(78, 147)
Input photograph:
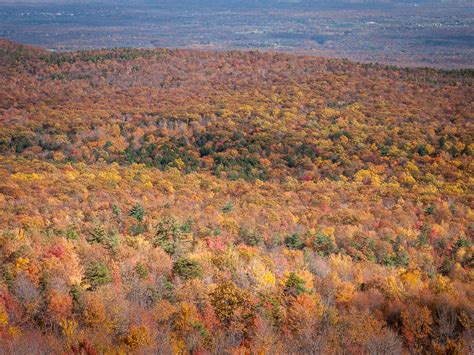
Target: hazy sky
point(234, 1)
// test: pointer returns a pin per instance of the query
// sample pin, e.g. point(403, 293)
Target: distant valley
point(405, 34)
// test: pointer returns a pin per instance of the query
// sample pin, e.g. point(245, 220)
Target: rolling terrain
point(177, 201)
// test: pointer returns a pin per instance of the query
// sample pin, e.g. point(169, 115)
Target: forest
point(177, 201)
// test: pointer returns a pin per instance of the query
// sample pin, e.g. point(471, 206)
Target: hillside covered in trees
point(180, 201)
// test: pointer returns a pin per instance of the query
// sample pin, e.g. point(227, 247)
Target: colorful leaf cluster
point(183, 201)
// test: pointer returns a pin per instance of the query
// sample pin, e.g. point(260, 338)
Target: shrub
point(72, 234)
point(324, 245)
point(250, 237)
point(137, 337)
point(400, 258)
point(137, 212)
point(116, 211)
point(141, 270)
point(101, 236)
point(228, 207)
point(294, 241)
point(226, 299)
point(97, 274)
point(168, 233)
point(137, 229)
point(97, 235)
point(294, 285)
point(187, 268)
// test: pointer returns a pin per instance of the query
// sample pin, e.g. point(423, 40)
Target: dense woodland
point(179, 201)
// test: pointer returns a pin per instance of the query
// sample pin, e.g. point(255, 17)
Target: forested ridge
point(181, 201)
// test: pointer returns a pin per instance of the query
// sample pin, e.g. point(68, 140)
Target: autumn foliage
point(233, 202)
